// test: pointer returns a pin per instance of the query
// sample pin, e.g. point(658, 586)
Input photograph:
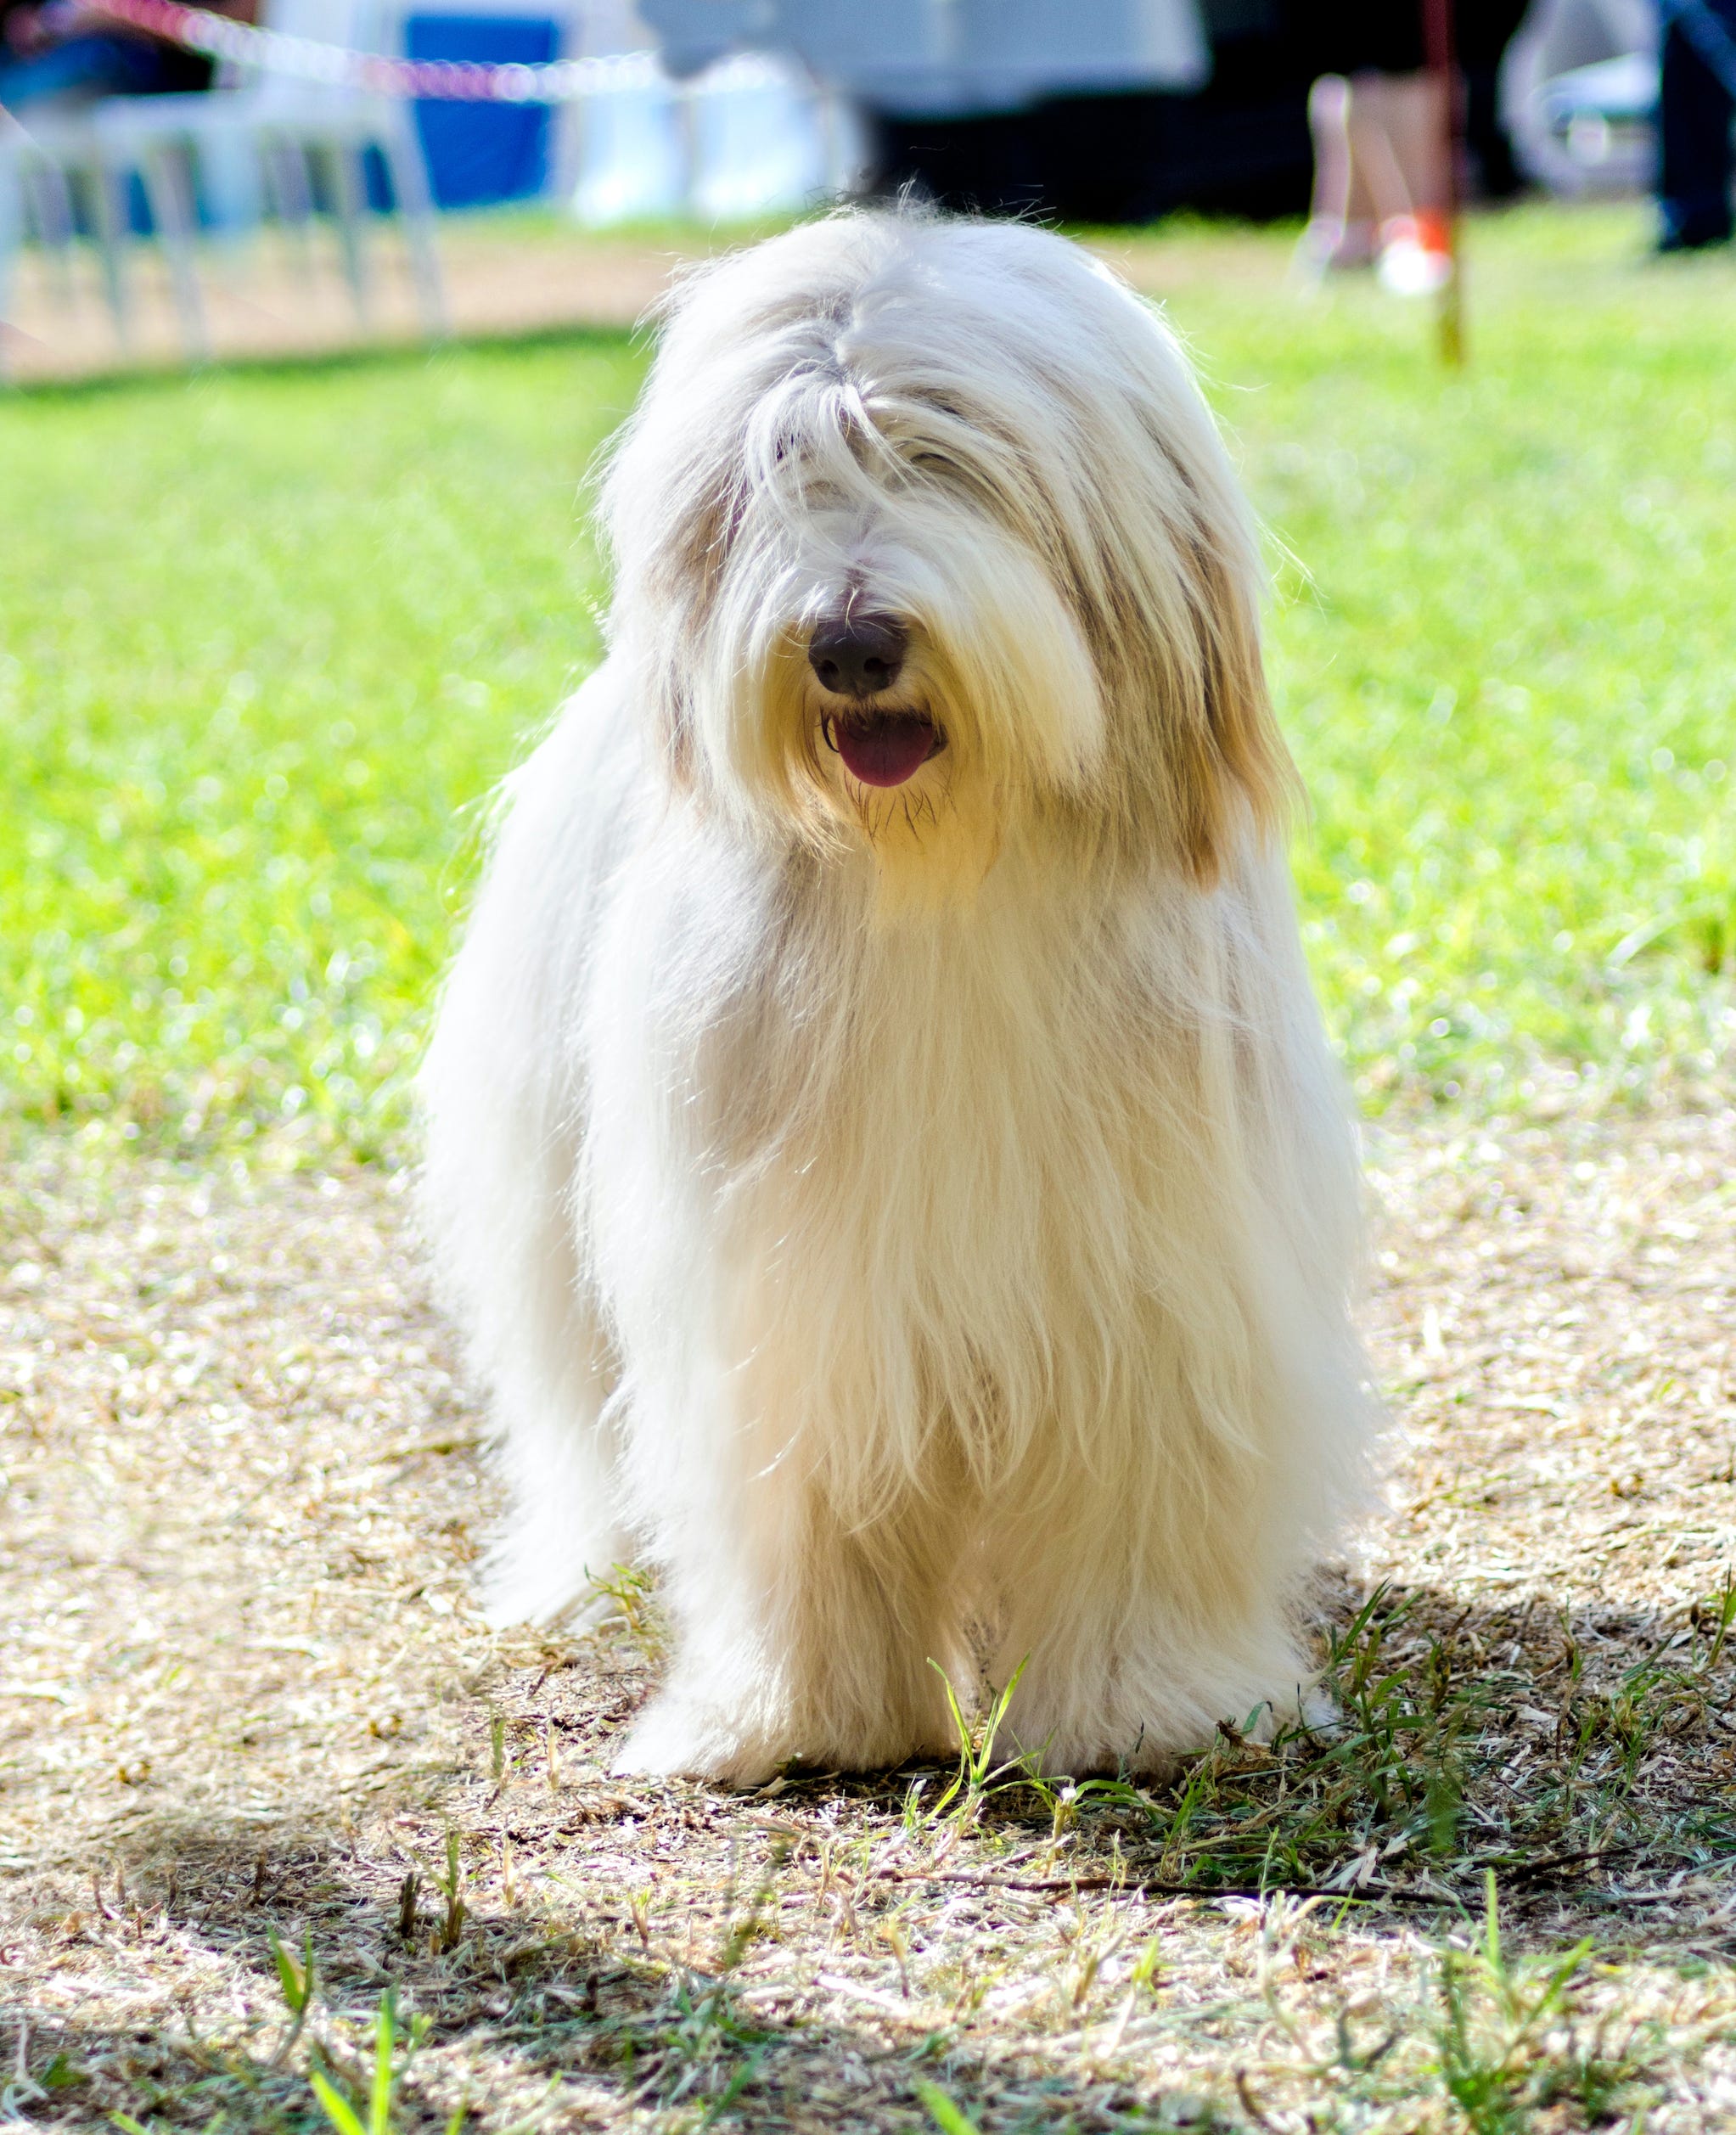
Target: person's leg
point(1377, 116)
point(1415, 113)
point(1332, 237)
point(1398, 135)
point(1329, 110)
point(1693, 174)
point(1341, 213)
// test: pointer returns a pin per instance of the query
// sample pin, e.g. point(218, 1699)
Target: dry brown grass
point(245, 1694)
point(505, 274)
point(275, 297)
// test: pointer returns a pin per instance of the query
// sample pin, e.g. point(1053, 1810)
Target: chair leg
point(845, 149)
point(411, 197)
point(109, 220)
point(11, 238)
point(56, 227)
point(566, 149)
point(686, 120)
point(170, 198)
point(349, 200)
point(227, 164)
point(290, 197)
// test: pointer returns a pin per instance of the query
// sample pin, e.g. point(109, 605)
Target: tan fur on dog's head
point(978, 430)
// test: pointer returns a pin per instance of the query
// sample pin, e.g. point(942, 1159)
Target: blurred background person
point(1696, 104)
point(1109, 110)
point(1382, 137)
point(1381, 177)
point(61, 52)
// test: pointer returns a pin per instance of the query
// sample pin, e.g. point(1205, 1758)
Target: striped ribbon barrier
point(449, 81)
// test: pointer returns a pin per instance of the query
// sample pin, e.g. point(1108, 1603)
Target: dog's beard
point(996, 712)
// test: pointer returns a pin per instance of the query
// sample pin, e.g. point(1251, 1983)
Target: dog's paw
point(674, 1737)
point(1315, 1709)
point(1091, 1754)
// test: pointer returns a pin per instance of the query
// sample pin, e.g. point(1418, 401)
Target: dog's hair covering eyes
point(882, 1150)
point(898, 378)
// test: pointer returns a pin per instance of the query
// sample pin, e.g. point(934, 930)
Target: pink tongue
point(885, 751)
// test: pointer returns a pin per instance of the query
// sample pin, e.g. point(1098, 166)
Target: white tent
point(958, 58)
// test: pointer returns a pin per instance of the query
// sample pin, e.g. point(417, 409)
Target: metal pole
point(1438, 43)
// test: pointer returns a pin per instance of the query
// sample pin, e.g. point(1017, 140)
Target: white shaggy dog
point(881, 1145)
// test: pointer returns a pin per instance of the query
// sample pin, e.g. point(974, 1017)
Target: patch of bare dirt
point(244, 1692)
point(277, 297)
point(281, 294)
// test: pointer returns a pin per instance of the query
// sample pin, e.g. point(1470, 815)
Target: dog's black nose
point(857, 655)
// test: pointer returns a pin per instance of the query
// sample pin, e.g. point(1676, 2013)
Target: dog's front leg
point(800, 1638)
point(1145, 1609)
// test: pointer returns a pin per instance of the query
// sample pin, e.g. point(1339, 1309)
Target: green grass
point(267, 638)
point(1508, 669)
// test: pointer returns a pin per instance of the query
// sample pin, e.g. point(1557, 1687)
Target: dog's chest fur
point(956, 1176)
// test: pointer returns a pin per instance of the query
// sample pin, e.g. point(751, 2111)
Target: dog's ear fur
point(1237, 764)
point(1197, 759)
point(677, 574)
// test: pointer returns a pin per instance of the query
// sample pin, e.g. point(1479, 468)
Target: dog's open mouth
point(884, 748)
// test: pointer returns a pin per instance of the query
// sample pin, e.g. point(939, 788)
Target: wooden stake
point(1438, 44)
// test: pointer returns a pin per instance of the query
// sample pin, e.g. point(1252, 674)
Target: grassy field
point(267, 638)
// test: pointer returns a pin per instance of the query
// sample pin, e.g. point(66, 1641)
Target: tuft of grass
point(268, 640)
point(346, 2115)
point(1509, 2048)
point(450, 1930)
point(637, 1610)
point(977, 1769)
point(945, 2115)
point(1399, 1797)
point(1401, 1792)
point(298, 1981)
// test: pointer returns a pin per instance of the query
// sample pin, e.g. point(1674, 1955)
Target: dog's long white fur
point(919, 1222)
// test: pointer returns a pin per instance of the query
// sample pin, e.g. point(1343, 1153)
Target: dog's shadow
point(1571, 1751)
point(1581, 1755)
